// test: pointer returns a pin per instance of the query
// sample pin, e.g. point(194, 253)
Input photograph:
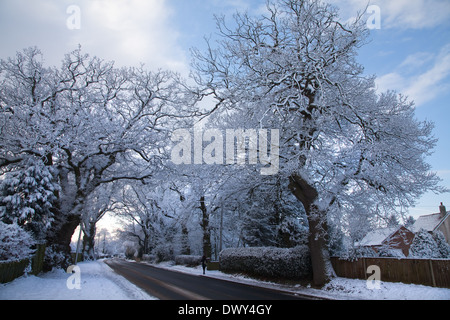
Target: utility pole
point(78, 245)
point(221, 229)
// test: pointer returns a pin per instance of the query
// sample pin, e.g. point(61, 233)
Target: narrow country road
point(171, 285)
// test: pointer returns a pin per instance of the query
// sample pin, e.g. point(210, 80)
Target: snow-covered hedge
point(149, 258)
point(190, 261)
point(15, 243)
point(292, 263)
point(164, 252)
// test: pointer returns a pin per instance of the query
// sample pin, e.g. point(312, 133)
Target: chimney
point(442, 210)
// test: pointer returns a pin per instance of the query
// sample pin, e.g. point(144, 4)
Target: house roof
point(429, 222)
point(376, 237)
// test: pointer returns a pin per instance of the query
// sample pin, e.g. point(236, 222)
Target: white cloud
point(417, 60)
point(126, 31)
point(421, 86)
point(390, 81)
point(402, 14)
point(133, 31)
point(416, 14)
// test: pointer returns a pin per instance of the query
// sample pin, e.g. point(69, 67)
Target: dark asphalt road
point(171, 285)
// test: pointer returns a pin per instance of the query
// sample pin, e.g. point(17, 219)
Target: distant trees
point(98, 204)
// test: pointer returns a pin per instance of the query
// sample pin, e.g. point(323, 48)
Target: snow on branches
point(15, 243)
point(27, 196)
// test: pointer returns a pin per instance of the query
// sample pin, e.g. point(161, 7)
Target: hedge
point(271, 262)
point(189, 261)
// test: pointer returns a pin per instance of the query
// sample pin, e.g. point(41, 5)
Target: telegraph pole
point(78, 245)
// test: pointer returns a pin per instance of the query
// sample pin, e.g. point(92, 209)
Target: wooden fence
point(429, 272)
point(10, 270)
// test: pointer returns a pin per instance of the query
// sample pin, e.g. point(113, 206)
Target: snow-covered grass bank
point(339, 288)
point(97, 282)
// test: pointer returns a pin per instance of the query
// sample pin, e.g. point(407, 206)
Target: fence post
point(430, 263)
point(365, 267)
point(38, 259)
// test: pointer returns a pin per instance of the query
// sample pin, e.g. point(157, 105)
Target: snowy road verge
point(98, 282)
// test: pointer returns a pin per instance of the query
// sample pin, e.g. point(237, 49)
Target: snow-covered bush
point(388, 252)
point(164, 252)
point(354, 253)
point(26, 197)
point(442, 244)
point(56, 257)
point(291, 263)
point(426, 245)
point(130, 253)
point(15, 243)
point(189, 261)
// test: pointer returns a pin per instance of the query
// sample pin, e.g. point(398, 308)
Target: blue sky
point(409, 53)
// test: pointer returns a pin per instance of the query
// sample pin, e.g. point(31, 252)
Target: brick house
point(396, 239)
point(435, 222)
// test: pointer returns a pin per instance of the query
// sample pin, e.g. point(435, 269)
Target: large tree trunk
point(58, 242)
point(185, 247)
point(89, 242)
point(318, 230)
point(63, 227)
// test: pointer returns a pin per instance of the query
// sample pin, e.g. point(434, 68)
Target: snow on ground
point(387, 291)
point(338, 288)
point(98, 282)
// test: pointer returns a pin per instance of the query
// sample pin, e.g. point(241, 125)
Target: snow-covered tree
point(93, 122)
point(430, 246)
point(27, 196)
point(409, 222)
point(15, 243)
point(97, 205)
point(102, 240)
point(270, 216)
point(442, 245)
point(146, 211)
point(343, 145)
point(424, 246)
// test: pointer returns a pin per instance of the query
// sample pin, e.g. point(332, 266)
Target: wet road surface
point(171, 285)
